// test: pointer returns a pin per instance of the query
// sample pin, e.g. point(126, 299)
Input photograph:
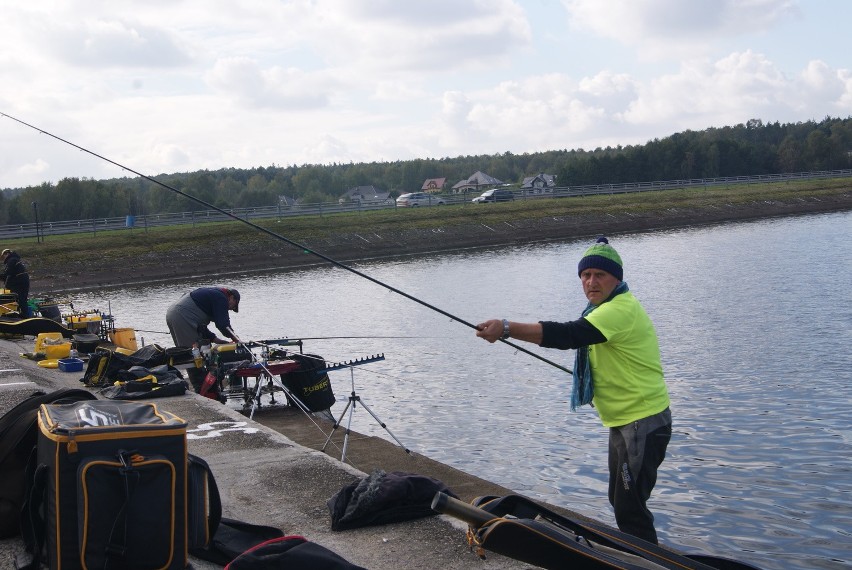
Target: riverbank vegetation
point(749, 149)
point(219, 247)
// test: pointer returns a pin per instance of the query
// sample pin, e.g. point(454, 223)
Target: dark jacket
point(214, 303)
point(14, 274)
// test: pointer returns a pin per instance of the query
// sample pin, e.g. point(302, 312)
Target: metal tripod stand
point(353, 401)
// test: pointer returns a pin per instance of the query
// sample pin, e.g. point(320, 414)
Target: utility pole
point(39, 237)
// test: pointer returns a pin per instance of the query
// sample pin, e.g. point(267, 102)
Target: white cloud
point(112, 43)
point(454, 126)
point(729, 91)
point(399, 91)
point(242, 79)
point(844, 103)
point(664, 29)
point(739, 87)
point(821, 83)
point(177, 86)
point(537, 113)
point(611, 91)
point(417, 37)
point(168, 156)
point(37, 167)
point(327, 149)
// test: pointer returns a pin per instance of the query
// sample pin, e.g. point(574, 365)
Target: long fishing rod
point(319, 337)
point(284, 239)
point(355, 337)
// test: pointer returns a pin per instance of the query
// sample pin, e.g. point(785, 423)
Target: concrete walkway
point(281, 479)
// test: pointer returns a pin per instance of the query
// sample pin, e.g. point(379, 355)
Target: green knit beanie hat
point(602, 256)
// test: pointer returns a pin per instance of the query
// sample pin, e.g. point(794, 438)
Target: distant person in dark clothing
point(16, 279)
point(188, 318)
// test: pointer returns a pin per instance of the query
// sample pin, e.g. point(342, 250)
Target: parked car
point(495, 195)
point(413, 199)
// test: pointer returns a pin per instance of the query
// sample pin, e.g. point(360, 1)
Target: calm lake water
point(755, 326)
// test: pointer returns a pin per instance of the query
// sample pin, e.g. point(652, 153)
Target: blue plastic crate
point(70, 364)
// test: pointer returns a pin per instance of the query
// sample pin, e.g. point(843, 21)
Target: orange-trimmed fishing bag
point(115, 480)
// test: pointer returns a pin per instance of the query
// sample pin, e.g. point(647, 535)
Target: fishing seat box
point(179, 355)
point(116, 485)
point(226, 353)
point(86, 343)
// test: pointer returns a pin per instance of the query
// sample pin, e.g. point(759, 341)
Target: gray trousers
point(183, 319)
point(636, 450)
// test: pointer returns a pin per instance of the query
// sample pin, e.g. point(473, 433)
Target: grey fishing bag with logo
point(114, 480)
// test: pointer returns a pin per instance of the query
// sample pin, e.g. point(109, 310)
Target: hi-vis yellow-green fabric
point(628, 376)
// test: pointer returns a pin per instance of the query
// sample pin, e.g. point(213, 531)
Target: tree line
point(748, 149)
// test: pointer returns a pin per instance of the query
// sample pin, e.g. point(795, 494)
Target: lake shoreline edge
point(221, 259)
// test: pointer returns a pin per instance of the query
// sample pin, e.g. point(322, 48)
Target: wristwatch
point(505, 329)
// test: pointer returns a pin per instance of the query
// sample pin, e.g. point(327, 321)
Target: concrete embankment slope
point(268, 478)
point(133, 258)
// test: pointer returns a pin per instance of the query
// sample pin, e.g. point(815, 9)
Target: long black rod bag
point(524, 530)
point(115, 485)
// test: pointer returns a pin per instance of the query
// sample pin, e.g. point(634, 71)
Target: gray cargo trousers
point(636, 450)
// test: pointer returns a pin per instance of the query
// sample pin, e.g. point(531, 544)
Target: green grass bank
point(107, 259)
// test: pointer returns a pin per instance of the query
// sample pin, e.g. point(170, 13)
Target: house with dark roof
point(476, 182)
point(364, 194)
point(434, 185)
point(539, 184)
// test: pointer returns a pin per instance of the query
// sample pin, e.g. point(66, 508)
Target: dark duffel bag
point(290, 552)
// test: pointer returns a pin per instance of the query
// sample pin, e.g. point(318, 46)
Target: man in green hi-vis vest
point(617, 369)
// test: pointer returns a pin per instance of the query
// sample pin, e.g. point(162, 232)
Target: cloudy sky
point(166, 86)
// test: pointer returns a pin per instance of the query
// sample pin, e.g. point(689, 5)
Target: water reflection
point(754, 324)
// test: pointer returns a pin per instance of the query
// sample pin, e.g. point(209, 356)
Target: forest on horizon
point(749, 149)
